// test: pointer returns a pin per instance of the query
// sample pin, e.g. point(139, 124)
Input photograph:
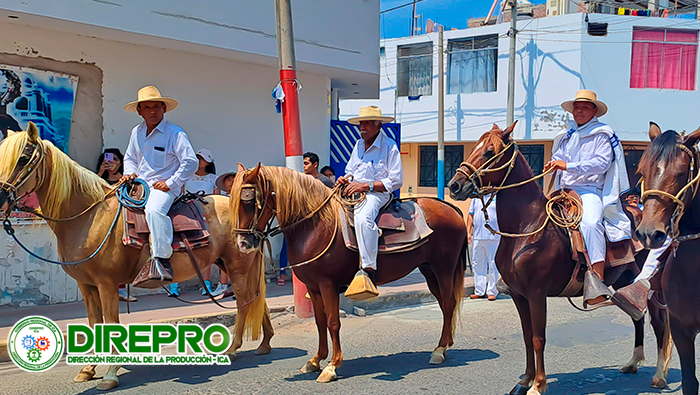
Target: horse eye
point(489, 152)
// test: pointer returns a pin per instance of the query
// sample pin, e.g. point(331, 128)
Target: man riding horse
point(375, 167)
point(592, 163)
point(160, 153)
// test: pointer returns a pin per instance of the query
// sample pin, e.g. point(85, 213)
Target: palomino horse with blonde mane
point(65, 189)
point(308, 215)
point(540, 263)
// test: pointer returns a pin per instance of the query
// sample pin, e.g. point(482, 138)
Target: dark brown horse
point(539, 265)
point(668, 165)
point(263, 192)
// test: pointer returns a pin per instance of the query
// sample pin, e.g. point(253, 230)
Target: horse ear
point(32, 132)
point(255, 171)
point(654, 131)
point(692, 138)
point(505, 135)
point(495, 127)
point(241, 168)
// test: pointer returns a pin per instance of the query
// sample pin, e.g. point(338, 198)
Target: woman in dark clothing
point(110, 166)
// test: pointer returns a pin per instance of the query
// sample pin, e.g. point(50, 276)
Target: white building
point(643, 68)
point(218, 58)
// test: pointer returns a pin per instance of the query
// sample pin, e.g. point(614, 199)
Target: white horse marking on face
point(481, 144)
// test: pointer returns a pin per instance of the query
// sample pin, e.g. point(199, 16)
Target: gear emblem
point(28, 342)
point(42, 343)
point(34, 355)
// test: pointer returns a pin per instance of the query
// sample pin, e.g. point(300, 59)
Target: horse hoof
point(658, 383)
point(83, 377)
point(629, 369)
point(327, 375)
point(263, 350)
point(519, 390)
point(232, 357)
point(106, 385)
point(438, 356)
point(311, 367)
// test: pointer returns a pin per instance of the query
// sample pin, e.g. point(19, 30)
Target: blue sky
point(451, 13)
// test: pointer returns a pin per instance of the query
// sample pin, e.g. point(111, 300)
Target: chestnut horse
point(539, 265)
point(308, 215)
point(669, 169)
point(65, 189)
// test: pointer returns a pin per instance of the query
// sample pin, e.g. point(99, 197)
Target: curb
point(392, 300)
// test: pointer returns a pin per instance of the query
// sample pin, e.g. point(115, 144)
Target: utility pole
point(292, 125)
point(413, 19)
point(441, 119)
point(511, 66)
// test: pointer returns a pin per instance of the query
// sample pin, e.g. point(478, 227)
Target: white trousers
point(160, 225)
point(652, 261)
point(592, 228)
point(366, 230)
point(484, 266)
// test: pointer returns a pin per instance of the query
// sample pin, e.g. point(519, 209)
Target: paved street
point(388, 352)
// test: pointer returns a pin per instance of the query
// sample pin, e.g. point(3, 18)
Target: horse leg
point(314, 364)
point(664, 344)
point(331, 301)
point(438, 355)
point(638, 354)
point(109, 296)
point(239, 284)
point(91, 297)
point(264, 347)
point(538, 311)
point(523, 307)
point(685, 344)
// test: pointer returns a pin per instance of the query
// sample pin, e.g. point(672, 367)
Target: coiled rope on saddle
point(121, 191)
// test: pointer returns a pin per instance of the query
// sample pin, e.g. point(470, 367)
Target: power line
point(401, 6)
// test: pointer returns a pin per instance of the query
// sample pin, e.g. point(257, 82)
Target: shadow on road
point(608, 378)
point(140, 376)
point(395, 367)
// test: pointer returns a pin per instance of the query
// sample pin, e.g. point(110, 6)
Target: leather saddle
point(616, 253)
point(188, 220)
point(402, 227)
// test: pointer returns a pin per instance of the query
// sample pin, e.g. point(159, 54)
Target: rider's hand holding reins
point(556, 165)
point(161, 186)
point(127, 177)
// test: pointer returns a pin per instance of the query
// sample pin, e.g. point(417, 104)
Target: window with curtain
point(472, 64)
point(664, 58)
point(454, 155)
point(414, 69)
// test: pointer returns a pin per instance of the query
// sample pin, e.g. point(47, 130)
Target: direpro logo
point(136, 340)
point(35, 344)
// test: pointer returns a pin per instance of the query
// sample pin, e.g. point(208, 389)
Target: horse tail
point(258, 308)
point(459, 284)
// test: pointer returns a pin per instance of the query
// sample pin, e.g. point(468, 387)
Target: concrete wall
point(334, 38)
point(225, 105)
point(555, 58)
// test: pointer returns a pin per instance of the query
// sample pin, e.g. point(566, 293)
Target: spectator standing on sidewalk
point(484, 246)
point(110, 166)
point(311, 168)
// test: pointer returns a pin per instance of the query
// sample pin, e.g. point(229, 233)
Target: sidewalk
point(411, 289)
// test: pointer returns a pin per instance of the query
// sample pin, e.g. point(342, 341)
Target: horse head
point(253, 206)
point(669, 169)
point(484, 166)
point(21, 154)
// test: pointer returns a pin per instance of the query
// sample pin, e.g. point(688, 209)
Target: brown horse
point(65, 189)
point(668, 165)
point(292, 196)
point(539, 265)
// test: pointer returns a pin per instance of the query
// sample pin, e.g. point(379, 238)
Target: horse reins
point(680, 196)
point(481, 191)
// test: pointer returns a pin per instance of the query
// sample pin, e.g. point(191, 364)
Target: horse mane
point(662, 149)
point(297, 196)
point(65, 178)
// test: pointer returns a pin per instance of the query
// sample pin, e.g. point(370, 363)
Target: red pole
point(293, 149)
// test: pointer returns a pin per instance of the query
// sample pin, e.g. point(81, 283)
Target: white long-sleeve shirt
point(164, 155)
point(380, 162)
point(587, 159)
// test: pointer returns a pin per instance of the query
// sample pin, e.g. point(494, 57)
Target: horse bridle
point(679, 198)
point(487, 168)
point(250, 192)
point(27, 165)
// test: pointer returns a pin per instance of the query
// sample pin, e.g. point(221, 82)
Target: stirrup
point(633, 299)
point(594, 287)
point(361, 287)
